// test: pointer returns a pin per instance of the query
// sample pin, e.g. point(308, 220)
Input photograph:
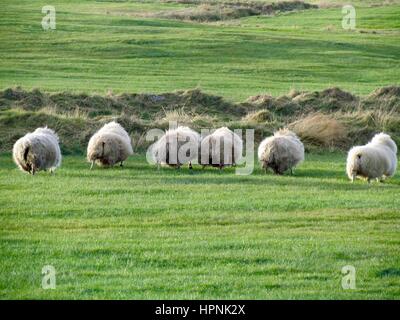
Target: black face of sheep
point(277, 168)
point(273, 166)
point(108, 146)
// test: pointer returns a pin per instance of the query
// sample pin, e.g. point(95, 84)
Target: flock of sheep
point(281, 152)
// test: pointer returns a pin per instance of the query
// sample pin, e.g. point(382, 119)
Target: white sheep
point(280, 152)
point(221, 148)
point(38, 150)
point(176, 147)
point(110, 145)
point(375, 160)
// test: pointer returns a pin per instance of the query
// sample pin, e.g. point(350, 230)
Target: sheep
point(176, 147)
point(108, 146)
point(375, 160)
point(38, 150)
point(281, 152)
point(220, 149)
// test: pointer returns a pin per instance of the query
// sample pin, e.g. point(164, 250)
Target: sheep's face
point(97, 152)
point(356, 169)
point(275, 167)
point(30, 164)
point(264, 165)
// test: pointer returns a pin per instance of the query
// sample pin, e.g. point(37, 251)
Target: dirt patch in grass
point(211, 11)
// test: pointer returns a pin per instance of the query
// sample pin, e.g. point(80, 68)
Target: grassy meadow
point(139, 233)
point(110, 45)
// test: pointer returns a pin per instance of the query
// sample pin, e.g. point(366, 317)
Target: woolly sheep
point(38, 150)
point(375, 160)
point(176, 147)
point(221, 148)
point(110, 145)
point(281, 152)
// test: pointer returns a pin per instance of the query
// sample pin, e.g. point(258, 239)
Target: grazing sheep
point(176, 147)
point(281, 152)
point(38, 150)
point(221, 148)
point(375, 160)
point(110, 145)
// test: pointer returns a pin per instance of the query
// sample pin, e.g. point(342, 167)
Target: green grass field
point(100, 46)
point(138, 233)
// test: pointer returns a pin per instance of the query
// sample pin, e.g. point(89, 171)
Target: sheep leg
point(190, 165)
point(121, 164)
point(91, 166)
point(353, 177)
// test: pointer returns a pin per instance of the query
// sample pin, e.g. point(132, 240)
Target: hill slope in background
point(112, 45)
point(342, 118)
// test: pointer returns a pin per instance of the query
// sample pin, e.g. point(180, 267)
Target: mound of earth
point(76, 116)
point(211, 11)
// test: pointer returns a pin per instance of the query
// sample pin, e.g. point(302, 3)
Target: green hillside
point(106, 45)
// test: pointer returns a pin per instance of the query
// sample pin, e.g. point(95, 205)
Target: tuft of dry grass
point(260, 116)
point(182, 117)
point(386, 92)
point(177, 115)
point(379, 119)
point(320, 130)
point(76, 113)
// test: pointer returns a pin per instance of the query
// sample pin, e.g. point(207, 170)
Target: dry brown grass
point(379, 119)
point(76, 113)
point(321, 130)
point(177, 115)
point(324, 119)
point(260, 116)
point(183, 117)
point(212, 11)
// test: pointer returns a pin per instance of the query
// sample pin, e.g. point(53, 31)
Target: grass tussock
point(259, 116)
point(320, 130)
point(182, 117)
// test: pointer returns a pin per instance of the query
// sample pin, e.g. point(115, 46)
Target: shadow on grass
point(320, 179)
point(139, 170)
